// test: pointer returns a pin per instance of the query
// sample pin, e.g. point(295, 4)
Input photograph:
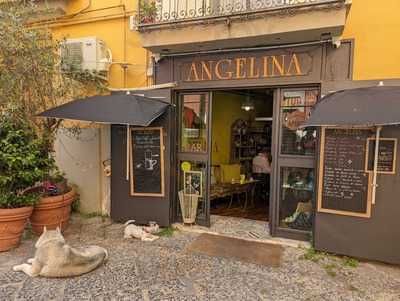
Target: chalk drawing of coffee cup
point(149, 164)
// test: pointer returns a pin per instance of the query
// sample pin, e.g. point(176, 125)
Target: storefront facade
point(299, 73)
point(300, 69)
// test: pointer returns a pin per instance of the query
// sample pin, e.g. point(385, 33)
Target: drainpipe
point(376, 158)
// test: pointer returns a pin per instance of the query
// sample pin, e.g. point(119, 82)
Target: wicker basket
point(188, 207)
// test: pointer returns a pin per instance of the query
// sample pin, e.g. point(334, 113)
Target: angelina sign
point(247, 67)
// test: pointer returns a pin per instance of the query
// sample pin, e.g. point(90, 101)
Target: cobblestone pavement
point(164, 270)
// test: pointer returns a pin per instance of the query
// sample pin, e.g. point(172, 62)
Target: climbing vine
point(31, 77)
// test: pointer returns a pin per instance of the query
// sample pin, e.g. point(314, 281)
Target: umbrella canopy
point(117, 108)
point(374, 106)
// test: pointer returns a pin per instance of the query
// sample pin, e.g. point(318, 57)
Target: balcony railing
point(158, 12)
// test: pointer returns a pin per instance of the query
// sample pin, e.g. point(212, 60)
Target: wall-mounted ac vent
point(85, 54)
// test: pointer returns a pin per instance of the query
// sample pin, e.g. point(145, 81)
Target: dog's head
point(49, 235)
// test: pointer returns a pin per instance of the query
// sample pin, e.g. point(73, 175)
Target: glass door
point(295, 167)
point(193, 155)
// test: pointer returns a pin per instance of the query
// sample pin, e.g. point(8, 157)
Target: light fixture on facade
point(248, 104)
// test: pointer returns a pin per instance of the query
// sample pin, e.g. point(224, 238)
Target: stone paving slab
point(242, 228)
point(164, 270)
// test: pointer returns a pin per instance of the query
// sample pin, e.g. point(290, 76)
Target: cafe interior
point(241, 159)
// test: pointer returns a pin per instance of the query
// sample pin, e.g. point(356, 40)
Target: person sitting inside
point(262, 171)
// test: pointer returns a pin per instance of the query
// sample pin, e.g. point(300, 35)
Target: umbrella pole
point(376, 158)
point(127, 151)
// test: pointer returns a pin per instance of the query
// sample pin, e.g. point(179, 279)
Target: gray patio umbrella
point(117, 108)
point(374, 106)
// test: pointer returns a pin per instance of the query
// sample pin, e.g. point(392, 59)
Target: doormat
point(238, 249)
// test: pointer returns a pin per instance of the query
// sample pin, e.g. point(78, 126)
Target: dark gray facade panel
point(375, 238)
point(140, 208)
point(338, 65)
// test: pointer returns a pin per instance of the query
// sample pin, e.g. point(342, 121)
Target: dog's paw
point(17, 268)
point(30, 260)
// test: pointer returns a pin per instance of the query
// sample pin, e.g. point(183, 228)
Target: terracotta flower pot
point(12, 224)
point(52, 212)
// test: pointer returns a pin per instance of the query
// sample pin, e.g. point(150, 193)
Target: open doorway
point(241, 140)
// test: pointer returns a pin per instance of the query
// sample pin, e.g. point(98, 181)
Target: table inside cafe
point(235, 188)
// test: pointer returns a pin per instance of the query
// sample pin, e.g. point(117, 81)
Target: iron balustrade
point(157, 12)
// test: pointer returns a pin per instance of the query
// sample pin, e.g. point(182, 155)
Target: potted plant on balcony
point(22, 164)
point(148, 11)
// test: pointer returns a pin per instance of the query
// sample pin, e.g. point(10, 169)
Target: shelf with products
point(248, 138)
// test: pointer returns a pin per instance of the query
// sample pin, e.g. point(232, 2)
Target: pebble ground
point(164, 270)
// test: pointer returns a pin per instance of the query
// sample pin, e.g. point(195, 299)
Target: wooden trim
point(321, 169)
point(162, 150)
point(367, 214)
point(393, 172)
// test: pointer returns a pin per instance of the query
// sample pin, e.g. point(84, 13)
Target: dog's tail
point(131, 221)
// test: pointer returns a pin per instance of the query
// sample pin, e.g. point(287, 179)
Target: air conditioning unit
point(85, 54)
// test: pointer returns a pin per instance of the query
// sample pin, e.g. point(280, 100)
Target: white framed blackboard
point(386, 155)
point(147, 162)
point(344, 187)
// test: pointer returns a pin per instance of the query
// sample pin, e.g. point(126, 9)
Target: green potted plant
point(148, 11)
point(22, 164)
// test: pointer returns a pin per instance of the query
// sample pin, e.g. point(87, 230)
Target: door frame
point(202, 157)
point(273, 221)
point(283, 160)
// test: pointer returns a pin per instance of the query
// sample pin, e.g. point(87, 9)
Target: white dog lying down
point(142, 233)
point(54, 258)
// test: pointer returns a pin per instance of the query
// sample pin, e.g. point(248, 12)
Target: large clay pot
point(12, 224)
point(52, 212)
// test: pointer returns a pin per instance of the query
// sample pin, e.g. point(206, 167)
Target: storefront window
point(194, 119)
point(296, 107)
point(297, 192)
point(192, 187)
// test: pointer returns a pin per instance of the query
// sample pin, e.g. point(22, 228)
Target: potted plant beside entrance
point(22, 164)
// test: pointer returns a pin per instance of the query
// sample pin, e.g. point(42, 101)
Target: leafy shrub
point(24, 161)
point(13, 200)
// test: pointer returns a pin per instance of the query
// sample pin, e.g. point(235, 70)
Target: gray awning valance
point(117, 108)
point(374, 106)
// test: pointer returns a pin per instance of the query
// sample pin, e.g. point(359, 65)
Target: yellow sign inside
point(186, 166)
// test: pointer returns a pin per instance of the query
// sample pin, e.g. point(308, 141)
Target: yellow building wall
point(81, 160)
point(109, 21)
point(375, 27)
point(226, 109)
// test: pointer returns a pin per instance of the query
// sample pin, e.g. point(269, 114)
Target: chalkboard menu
point(344, 186)
point(147, 162)
point(386, 155)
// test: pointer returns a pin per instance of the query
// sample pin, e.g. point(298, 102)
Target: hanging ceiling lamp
point(248, 104)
